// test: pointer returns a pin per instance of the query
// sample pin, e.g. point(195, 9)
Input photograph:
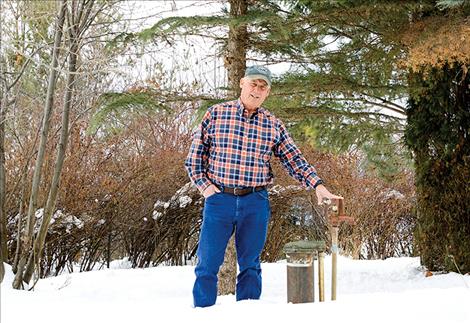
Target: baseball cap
point(257, 72)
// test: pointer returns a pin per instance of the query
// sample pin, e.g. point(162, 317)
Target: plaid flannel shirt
point(233, 150)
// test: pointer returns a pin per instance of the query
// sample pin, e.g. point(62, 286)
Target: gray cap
point(258, 72)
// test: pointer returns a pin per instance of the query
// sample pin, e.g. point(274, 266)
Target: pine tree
point(353, 66)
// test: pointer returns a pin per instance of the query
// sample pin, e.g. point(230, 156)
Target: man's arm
point(196, 160)
point(292, 159)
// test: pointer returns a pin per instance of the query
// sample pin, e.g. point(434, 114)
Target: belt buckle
point(235, 191)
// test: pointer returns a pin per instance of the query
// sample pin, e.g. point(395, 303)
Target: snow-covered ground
point(393, 290)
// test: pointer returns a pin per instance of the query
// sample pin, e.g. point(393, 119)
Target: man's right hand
point(210, 190)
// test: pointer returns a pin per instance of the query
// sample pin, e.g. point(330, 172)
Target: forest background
point(98, 105)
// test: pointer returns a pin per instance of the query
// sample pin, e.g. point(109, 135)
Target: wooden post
point(334, 260)
point(335, 220)
point(321, 276)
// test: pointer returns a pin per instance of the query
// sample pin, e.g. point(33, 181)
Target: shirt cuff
point(312, 180)
point(319, 182)
point(202, 184)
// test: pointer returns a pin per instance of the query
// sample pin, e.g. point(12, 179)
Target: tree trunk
point(235, 61)
point(235, 56)
point(2, 267)
point(3, 217)
point(5, 88)
point(52, 198)
point(18, 231)
point(79, 20)
point(48, 107)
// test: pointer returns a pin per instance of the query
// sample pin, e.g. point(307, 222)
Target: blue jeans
point(223, 214)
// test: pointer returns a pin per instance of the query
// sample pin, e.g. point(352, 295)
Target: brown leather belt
point(241, 191)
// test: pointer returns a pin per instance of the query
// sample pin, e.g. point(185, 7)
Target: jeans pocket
point(213, 195)
point(263, 194)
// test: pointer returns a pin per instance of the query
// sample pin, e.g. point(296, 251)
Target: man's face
point(253, 92)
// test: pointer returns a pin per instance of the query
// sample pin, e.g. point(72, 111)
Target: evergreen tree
point(353, 66)
point(437, 132)
point(343, 89)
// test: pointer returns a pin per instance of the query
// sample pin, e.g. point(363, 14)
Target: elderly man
point(229, 162)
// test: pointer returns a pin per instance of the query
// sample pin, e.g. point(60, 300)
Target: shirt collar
point(241, 109)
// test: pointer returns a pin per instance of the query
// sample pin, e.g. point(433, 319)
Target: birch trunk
point(78, 21)
point(48, 107)
point(33, 262)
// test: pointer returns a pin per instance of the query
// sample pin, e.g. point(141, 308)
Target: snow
point(393, 194)
point(68, 221)
point(39, 213)
point(184, 201)
point(158, 204)
point(156, 215)
point(392, 290)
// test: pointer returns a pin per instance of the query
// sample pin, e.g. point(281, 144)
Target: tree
point(28, 237)
point(430, 56)
point(438, 125)
point(16, 65)
point(349, 74)
point(3, 98)
point(237, 44)
point(80, 19)
point(341, 99)
point(79, 16)
point(437, 133)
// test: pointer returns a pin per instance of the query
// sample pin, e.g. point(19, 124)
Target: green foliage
point(39, 16)
point(26, 29)
point(166, 29)
point(438, 131)
point(344, 84)
point(116, 109)
point(383, 153)
point(206, 104)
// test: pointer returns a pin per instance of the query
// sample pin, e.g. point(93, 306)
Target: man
point(229, 162)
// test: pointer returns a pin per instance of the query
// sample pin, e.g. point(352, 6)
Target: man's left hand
point(323, 193)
